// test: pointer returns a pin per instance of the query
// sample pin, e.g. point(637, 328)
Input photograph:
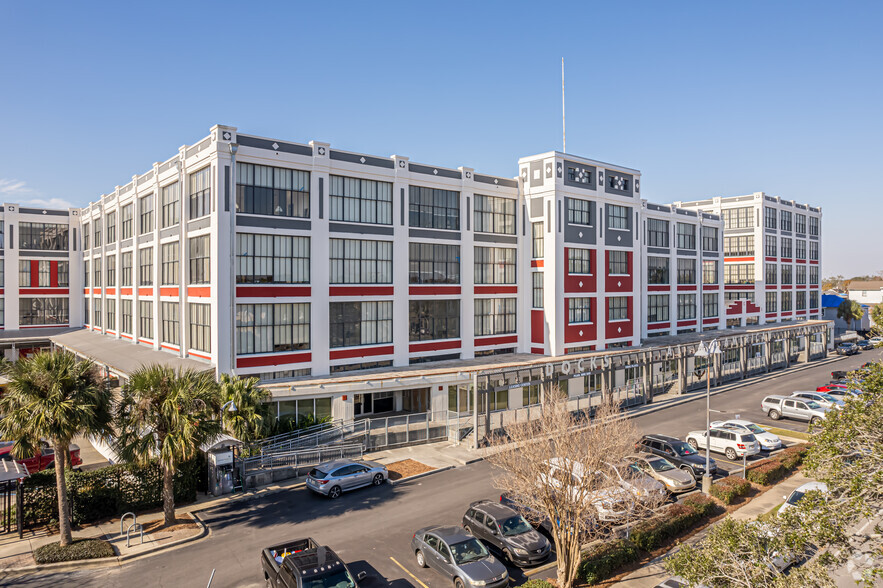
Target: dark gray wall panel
point(170, 232)
point(433, 171)
point(536, 208)
point(281, 146)
point(580, 234)
point(272, 222)
point(200, 223)
point(363, 159)
point(360, 229)
point(492, 238)
point(536, 174)
point(495, 181)
point(44, 212)
point(580, 168)
point(433, 234)
point(686, 252)
point(616, 174)
point(659, 250)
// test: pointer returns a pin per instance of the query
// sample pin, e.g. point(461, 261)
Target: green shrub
point(79, 549)
point(703, 504)
point(768, 472)
point(603, 561)
point(729, 489)
point(536, 584)
point(793, 456)
point(674, 521)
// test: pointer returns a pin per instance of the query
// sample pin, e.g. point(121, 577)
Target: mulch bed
point(181, 524)
point(406, 468)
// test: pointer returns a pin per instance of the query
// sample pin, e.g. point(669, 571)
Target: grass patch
point(789, 433)
point(79, 549)
point(771, 515)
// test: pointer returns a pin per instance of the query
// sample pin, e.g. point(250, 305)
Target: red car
point(43, 460)
point(834, 387)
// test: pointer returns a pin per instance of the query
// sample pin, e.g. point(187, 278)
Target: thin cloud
point(44, 203)
point(9, 187)
point(19, 192)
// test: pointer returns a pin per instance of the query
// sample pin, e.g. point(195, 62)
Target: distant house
point(870, 292)
point(830, 303)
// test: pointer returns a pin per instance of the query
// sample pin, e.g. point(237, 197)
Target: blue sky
point(704, 98)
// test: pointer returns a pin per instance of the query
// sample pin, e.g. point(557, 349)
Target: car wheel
point(815, 420)
point(421, 561)
point(334, 492)
point(693, 443)
point(378, 479)
point(507, 556)
point(774, 414)
point(468, 530)
point(269, 583)
point(689, 470)
point(458, 583)
point(731, 453)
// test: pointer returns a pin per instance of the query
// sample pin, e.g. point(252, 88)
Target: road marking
point(404, 569)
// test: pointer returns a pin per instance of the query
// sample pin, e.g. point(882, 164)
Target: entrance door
point(362, 404)
point(415, 400)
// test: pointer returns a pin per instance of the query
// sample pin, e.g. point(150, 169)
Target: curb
point(421, 475)
point(246, 495)
point(102, 562)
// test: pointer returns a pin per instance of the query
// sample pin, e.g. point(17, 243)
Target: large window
point(272, 259)
point(97, 272)
point(709, 305)
point(537, 288)
point(738, 218)
point(126, 316)
point(200, 259)
point(814, 226)
point(201, 193)
point(38, 273)
point(769, 218)
point(433, 319)
point(360, 201)
point(657, 308)
point(169, 264)
point(110, 221)
point(267, 328)
point(769, 245)
point(434, 208)
point(814, 250)
point(433, 263)
point(618, 217)
point(43, 311)
point(170, 197)
point(786, 301)
point(800, 249)
point(200, 327)
point(579, 261)
point(360, 323)
point(710, 271)
point(785, 218)
point(86, 234)
point(126, 215)
point(617, 308)
point(800, 227)
point(537, 240)
point(787, 274)
point(787, 250)
point(686, 271)
point(64, 274)
point(145, 319)
point(801, 274)
point(355, 261)
point(814, 275)
point(686, 236)
point(686, 306)
point(579, 212)
point(617, 263)
point(45, 236)
point(97, 233)
point(494, 265)
point(494, 214)
point(111, 271)
point(772, 303)
point(709, 239)
point(171, 325)
point(85, 273)
point(96, 316)
point(273, 191)
point(579, 310)
point(494, 316)
point(800, 300)
point(126, 268)
point(739, 273)
point(813, 299)
point(739, 246)
point(657, 270)
point(771, 274)
point(111, 323)
point(145, 266)
point(145, 207)
point(657, 232)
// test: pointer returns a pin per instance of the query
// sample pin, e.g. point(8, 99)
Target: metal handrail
point(123, 518)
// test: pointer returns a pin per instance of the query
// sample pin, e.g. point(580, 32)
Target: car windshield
point(317, 473)
point(515, 526)
point(754, 428)
point(467, 551)
point(748, 438)
point(682, 448)
point(795, 497)
point(813, 405)
point(827, 397)
point(660, 465)
point(340, 579)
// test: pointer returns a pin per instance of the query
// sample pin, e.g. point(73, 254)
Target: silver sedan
point(336, 477)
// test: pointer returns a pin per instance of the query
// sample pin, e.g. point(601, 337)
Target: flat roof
point(20, 336)
point(120, 356)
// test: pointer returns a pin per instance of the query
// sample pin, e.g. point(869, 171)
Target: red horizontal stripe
point(771, 315)
point(43, 291)
point(686, 323)
point(786, 260)
point(710, 286)
point(361, 291)
point(800, 261)
point(786, 313)
point(433, 346)
point(111, 291)
point(199, 292)
point(147, 341)
point(738, 287)
point(771, 258)
point(126, 291)
point(773, 287)
point(814, 262)
point(686, 288)
point(659, 326)
point(109, 332)
point(496, 289)
point(42, 326)
point(272, 291)
point(711, 321)
point(738, 258)
point(124, 336)
point(537, 351)
point(536, 263)
point(496, 340)
point(361, 352)
point(433, 290)
point(168, 291)
point(657, 288)
point(169, 347)
point(200, 356)
point(145, 291)
point(279, 359)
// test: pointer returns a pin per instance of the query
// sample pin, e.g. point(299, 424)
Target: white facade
point(870, 292)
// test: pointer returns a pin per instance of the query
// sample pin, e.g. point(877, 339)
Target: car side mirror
point(784, 498)
point(494, 532)
point(361, 575)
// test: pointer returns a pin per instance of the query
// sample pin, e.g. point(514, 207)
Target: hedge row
point(604, 560)
point(774, 469)
point(730, 488)
point(107, 492)
point(537, 584)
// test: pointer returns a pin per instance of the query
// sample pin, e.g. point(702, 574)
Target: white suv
point(768, 441)
point(727, 441)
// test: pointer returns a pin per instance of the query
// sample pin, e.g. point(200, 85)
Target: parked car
point(876, 341)
point(335, 477)
point(303, 563)
point(864, 345)
point(821, 398)
point(611, 501)
point(662, 470)
point(731, 443)
point(776, 407)
point(44, 459)
point(459, 556)
point(842, 390)
point(677, 452)
point(798, 493)
point(847, 349)
point(630, 477)
point(507, 532)
point(768, 441)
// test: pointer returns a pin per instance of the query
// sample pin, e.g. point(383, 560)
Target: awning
point(11, 470)
point(222, 441)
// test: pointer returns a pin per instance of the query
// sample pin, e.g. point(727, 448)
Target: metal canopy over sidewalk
point(120, 357)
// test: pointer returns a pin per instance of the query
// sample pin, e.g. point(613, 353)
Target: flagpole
point(563, 122)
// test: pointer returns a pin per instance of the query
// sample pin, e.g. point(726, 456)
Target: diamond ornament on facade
point(362, 159)
point(580, 332)
point(580, 283)
point(275, 146)
point(435, 172)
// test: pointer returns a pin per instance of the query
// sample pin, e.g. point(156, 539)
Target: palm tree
point(850, 310)
point(53, 397)
point(166, 415)
point(245, 413)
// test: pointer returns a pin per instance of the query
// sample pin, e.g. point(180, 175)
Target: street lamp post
point(707, 351)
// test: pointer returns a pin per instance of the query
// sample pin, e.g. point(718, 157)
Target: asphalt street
point(371, 528)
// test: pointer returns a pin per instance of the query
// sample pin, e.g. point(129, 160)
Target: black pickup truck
point(303, 563)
